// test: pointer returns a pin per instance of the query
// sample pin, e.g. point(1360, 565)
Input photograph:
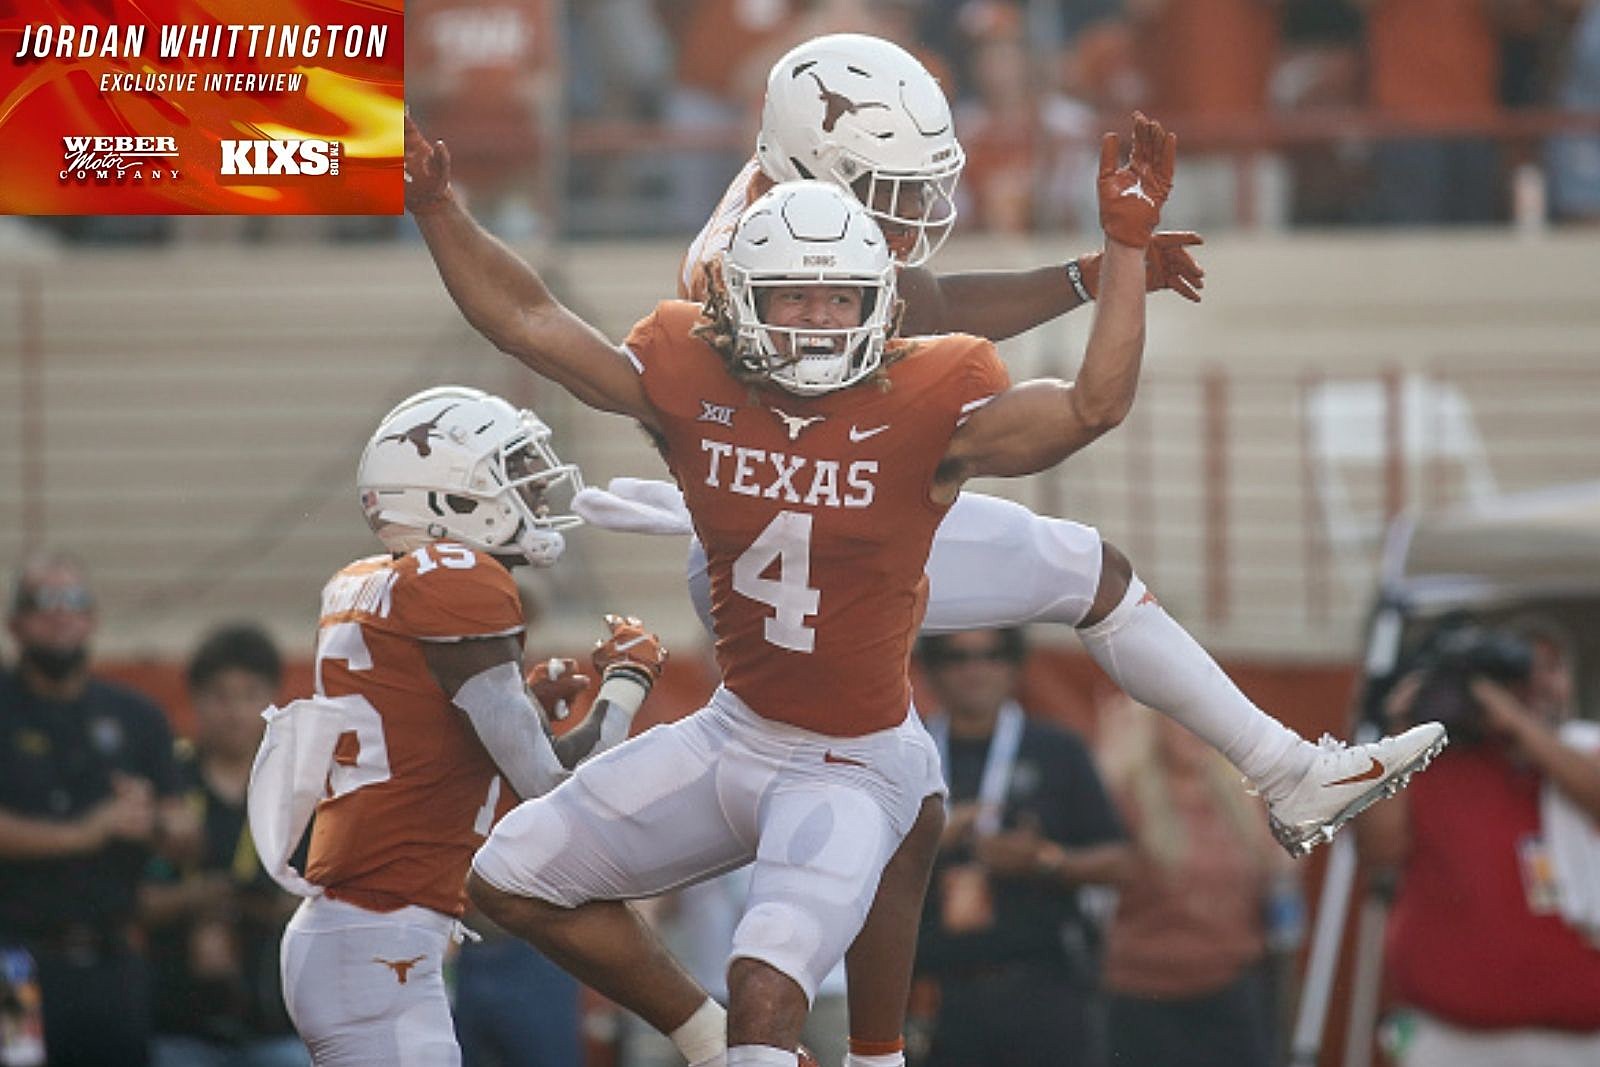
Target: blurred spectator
point(215, 919)
point(1323, 69)
point(715, 42)
point(946, 27)
point(1209, 63)
point(513, 1007)
point(86, 790)
point(1436, 64)
point(484, 75)
point(1574, 161)
point(1185, 954)
point(1004, 932)
point(891, 20)
point(1030, 151)
point(619, 61)
point(1493, 941)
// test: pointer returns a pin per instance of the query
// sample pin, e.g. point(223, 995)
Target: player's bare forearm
point(504, 299)
point(1036, 424)
point(1103, 392)
point(994, 304)
point(495, 288)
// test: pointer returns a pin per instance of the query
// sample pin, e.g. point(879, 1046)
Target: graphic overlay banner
point(202, 107)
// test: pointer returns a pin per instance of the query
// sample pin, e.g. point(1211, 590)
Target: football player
point(421, 732)
point(863, 113)
point(1310, 782)
point(817, 497)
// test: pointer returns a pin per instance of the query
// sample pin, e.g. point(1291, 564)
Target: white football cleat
point(1346, 780)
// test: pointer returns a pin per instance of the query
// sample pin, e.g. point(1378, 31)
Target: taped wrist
point(623, 690)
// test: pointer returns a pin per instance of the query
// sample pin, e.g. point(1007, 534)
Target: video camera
point(1449, 660)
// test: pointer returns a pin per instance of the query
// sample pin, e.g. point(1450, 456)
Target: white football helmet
point(862, 112)
point(457, 464)
point(809, 233)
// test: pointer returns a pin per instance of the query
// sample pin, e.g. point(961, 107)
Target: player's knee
point(1116, 574)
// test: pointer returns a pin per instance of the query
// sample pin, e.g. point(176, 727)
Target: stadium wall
point(188, 419)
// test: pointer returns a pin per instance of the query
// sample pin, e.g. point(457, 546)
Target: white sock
point(892, 1059)
point(1157, 663)
point(761, 1056)
point(703, 1037)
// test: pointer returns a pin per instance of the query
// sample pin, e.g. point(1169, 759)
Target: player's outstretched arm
point(1036, 424)
point(504, 298)
point(998, 304)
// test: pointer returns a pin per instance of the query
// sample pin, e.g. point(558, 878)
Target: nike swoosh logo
point(623, 646)
point(1372, 773)
point(829, 757)
point(1137, 189)
point(857, 436)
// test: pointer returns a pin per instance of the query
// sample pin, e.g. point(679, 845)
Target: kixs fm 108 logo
point(310, 156)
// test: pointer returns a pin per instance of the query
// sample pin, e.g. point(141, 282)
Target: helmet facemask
point(916, 210)
point(809, 360)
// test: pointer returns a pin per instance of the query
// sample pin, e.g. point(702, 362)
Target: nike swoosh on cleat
point(829, 757)
point(1372, 773)
point(857, 436)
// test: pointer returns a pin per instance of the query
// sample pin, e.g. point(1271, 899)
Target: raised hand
point(1167, 265)
point(1131, 195)
point(630, 648)
point(427, 171)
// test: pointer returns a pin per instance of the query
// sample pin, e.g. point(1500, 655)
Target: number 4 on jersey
point(786, 540)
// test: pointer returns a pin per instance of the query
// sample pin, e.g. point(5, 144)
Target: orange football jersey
point(815, 513)
point(717, 234)
point(412, 792)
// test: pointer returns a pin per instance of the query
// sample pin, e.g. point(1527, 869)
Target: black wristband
point(1075, 276)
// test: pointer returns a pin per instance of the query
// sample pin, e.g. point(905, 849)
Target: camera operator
point(1490, 964)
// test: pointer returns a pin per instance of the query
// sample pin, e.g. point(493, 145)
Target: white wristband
point(1075, 276)
point(623, 691)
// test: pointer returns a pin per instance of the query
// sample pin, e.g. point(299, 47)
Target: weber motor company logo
point(282, 157)
point(120, 159)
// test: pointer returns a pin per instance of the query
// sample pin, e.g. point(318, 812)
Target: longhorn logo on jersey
point(795, 423)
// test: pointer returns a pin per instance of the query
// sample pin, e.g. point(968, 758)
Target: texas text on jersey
point(412, 792)
point(816, 514)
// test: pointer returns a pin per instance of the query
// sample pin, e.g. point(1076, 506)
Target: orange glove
point(1167, 265)
point(555, 682)
point(630, 648)
point(427, 171)
point(1131, 195)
